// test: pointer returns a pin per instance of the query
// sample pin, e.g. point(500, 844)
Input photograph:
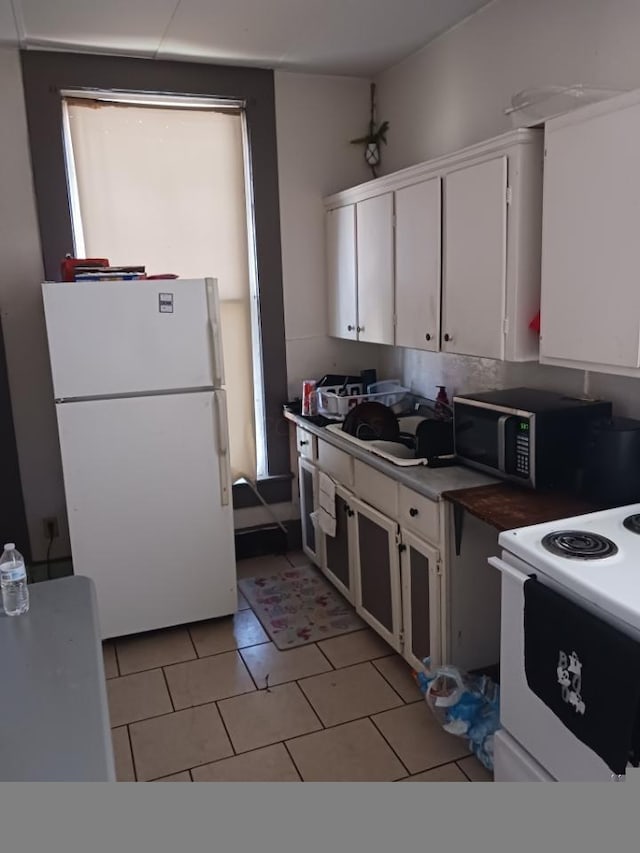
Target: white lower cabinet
point(308, 479)
point(421, 601)
point(338, 551)
point(377, 572)
point(380, 562)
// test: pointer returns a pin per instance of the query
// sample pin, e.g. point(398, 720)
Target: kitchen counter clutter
point(54, 716)
point(430, 482)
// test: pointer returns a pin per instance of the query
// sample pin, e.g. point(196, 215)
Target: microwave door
point(476, 436)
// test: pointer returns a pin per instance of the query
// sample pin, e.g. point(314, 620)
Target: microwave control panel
point(522, 448)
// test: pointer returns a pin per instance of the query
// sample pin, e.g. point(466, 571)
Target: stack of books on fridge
point(109, 273)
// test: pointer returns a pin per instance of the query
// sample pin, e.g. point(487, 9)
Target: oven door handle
point(506, 569)
point(502, 442)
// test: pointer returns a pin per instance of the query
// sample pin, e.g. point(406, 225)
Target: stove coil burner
point(632, 523)
point(579, 545)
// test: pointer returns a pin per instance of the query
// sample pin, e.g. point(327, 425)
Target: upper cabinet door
point(475, 253)
point(375, 269)
point(418, 253)
point(590, 248)
point(341, 272)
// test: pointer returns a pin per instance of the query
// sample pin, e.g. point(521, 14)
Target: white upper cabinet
point(465, 235)
point(590, 314)
point(374, 230)
point(341, 272)
point(475, 257)
point(418, 252)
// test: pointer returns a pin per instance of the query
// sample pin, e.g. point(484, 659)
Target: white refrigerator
point(138, 382)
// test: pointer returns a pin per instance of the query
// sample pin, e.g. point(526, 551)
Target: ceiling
point(359, 37)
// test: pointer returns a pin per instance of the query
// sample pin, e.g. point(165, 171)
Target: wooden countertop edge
point(505, 507)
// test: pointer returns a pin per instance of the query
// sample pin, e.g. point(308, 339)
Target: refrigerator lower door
point(145, 481)
point(133, 337)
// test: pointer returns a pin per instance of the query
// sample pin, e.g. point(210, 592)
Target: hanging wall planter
point(374, 137)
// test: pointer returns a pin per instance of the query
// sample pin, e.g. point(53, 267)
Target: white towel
point(327, 505)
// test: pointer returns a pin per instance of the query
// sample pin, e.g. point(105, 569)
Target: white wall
point(452, 93)
point(22, 318)
point(316, 117)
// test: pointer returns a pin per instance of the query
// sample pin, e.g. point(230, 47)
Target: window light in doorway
point(165, 182)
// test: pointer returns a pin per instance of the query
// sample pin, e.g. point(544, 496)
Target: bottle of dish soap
point(442, 407)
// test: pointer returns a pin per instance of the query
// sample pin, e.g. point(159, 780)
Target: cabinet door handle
point(303, 443)
point(448, 338)
point(427, 337)
point(360, 328)
point(413, 512)
point(350, 328)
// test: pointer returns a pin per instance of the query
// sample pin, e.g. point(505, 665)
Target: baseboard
point(250, 542)
point(269, 539)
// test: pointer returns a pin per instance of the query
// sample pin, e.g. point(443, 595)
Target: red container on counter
point(309, 398)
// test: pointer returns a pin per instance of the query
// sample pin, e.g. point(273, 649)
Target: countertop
point(54, 718)
point(430, 482)
point(505, 506)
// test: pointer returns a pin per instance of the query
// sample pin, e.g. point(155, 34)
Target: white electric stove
point(594, 560)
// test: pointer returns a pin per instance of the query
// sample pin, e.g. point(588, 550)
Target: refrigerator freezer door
point(143, 479)
point(131, 337)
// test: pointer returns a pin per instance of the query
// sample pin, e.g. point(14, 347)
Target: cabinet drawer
point(336, 463)
point(376, 489)
point(420, 514)
point(306, 444)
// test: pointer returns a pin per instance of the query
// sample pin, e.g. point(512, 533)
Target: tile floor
point(217, 701)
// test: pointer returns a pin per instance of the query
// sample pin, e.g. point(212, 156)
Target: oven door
point(495, 440)
point(524, 716)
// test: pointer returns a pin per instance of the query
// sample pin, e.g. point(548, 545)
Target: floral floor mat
point(299, 606)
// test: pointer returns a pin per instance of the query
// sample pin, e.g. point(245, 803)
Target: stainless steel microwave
point(535, 438)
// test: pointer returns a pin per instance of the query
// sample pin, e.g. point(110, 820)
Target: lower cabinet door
point(421, 601)
point(337, 559)
point(377, 572)
point(308, 475)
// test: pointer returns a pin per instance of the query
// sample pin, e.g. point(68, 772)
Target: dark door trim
point(46, 74)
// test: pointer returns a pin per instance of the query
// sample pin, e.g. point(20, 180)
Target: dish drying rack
point(389, 392)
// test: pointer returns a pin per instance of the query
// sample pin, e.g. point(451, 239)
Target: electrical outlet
point(50, 527)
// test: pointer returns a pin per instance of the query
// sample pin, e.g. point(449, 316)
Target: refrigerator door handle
point(221, 428)
point(215, 337)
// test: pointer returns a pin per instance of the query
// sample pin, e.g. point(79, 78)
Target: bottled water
point(13, 580)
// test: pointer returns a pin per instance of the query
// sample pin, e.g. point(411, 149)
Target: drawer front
point(420, 515)
point(336, 463)
point(306, 444)
point(376, 489)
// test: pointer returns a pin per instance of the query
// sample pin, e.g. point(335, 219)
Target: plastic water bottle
point(13, 580)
